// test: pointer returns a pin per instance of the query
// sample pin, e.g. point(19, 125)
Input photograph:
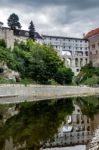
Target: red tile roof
point(92, 33)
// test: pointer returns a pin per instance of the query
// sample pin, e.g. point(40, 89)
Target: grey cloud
point(76, 4)
point(61, 13)
point(65, 8)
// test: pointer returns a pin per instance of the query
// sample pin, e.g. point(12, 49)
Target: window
point(93, 46)
point(78, 110)
point(81, 62)
point(86, 60)
point(76, 62)
point(86, 53)
point(90, 53)
point(1, 70)
point(86, 48)
point(77, 70)
point(26, 33)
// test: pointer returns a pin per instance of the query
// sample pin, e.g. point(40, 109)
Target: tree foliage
point(88, 75)
point(13, 22)
point(32, 31)
point(38, 62)
point(41, 63)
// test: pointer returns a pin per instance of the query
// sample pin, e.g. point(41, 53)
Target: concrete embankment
point(11, 93)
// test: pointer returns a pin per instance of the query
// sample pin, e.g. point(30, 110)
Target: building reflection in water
point(76, 131)
point(81, 126)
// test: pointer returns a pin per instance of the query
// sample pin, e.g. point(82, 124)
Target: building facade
point(93, 38)
point(74, 51)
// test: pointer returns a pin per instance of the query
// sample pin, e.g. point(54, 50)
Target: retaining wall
point(44, 91)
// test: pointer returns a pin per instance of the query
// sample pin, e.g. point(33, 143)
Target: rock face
point(7, 73)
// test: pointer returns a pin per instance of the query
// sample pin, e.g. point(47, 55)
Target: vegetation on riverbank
point(88, 75)
point(36, 62)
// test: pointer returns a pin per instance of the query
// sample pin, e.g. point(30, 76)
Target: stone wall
point(8, 36)
point(40, 92)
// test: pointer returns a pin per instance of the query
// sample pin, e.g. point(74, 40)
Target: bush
point(37, 62)
point(91, 81)
point(52, 82)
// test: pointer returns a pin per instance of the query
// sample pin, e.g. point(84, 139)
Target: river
point(57, 124)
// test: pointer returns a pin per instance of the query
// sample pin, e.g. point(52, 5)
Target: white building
point(74, 51)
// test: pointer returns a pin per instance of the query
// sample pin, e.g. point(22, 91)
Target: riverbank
point(10, 93)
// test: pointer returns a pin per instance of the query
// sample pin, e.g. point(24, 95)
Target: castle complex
point(75, 52)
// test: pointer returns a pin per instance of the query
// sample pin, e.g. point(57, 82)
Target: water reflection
point(49, 124)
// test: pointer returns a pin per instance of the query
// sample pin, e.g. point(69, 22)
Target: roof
point(92, 33)
point(63, 37)
point(25, 33)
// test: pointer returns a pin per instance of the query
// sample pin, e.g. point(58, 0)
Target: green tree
point(32, 31)
point(64, 75)
point(2, 43)
point(88, 75)
point(41, 63)
point(13, 22)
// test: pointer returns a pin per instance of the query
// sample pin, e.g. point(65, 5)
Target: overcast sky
point(54, 17)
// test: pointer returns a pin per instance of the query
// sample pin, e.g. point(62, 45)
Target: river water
point(65, 124)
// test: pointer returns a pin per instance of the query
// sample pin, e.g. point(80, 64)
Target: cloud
point(54, 17)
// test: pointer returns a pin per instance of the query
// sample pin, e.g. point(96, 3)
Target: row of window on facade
point(77, 53)
point(65, 39)
point(80, 63)
point(70, 47)
point(82, 53)
point(95, 52)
